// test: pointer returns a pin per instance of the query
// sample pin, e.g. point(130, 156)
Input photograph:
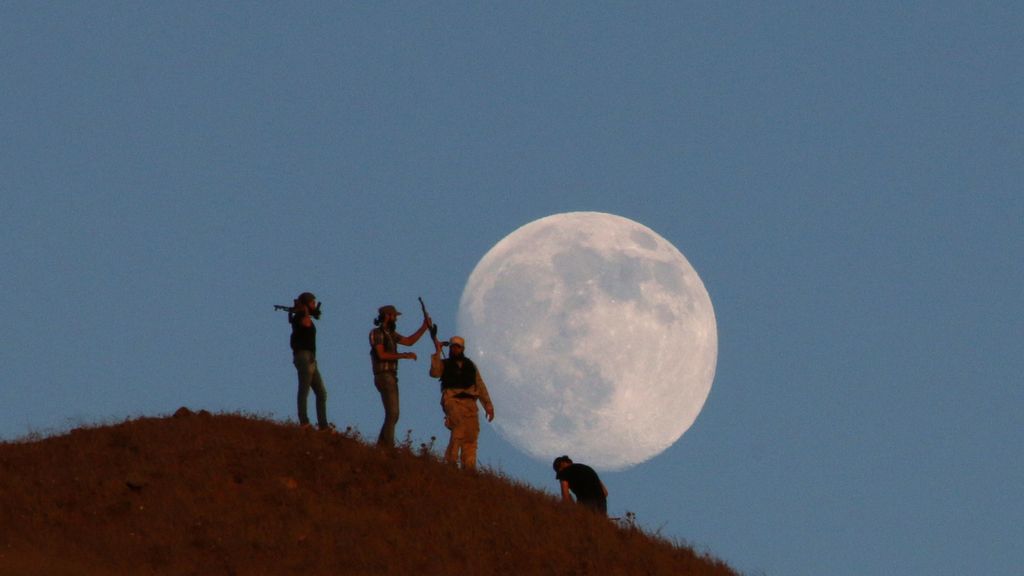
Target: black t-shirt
point(583, 482)
point(303, 337)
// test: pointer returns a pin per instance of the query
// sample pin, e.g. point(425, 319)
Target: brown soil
point(229, 494)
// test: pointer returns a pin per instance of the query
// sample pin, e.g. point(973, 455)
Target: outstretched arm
point(410, 340)
point(383, 354)
point(436, 367)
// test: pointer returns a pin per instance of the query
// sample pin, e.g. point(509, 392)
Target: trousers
point(309, 378)
point(461, 417)
point(387, 385)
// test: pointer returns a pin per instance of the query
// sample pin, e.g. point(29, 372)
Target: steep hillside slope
point(229, 494)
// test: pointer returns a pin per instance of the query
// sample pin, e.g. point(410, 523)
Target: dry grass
point(238, 495)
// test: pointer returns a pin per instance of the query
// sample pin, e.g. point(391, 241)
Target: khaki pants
point(462, 418)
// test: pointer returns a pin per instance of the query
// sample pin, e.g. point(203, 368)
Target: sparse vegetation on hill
point(236, 495)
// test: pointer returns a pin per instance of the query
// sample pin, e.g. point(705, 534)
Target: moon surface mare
point(596, 338)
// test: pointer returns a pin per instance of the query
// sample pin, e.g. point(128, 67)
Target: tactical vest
point(458, 378)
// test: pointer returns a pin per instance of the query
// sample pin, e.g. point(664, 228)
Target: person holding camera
point(303, 343)
point(384, 357)
point(461, 388)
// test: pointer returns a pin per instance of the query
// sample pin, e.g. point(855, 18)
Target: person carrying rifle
point(384, 357)
point(303, 343)
point(461, 388)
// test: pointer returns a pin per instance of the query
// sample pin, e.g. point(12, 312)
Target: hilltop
point(197, 493)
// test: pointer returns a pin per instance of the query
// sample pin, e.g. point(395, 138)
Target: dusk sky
point(844, 177)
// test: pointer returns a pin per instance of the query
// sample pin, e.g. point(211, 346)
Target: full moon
point(596, 338)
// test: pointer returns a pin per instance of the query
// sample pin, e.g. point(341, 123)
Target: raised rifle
point(433, 327)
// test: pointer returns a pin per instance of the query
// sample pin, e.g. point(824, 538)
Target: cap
point(388, 309)
point(457, 340)
point(559, 461)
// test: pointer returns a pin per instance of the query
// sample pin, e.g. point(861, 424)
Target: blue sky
point(845, 179)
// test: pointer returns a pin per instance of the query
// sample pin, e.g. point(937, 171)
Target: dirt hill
point(228, 494)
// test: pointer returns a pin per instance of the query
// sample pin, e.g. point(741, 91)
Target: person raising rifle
point(461, 388)
point(384, 357)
